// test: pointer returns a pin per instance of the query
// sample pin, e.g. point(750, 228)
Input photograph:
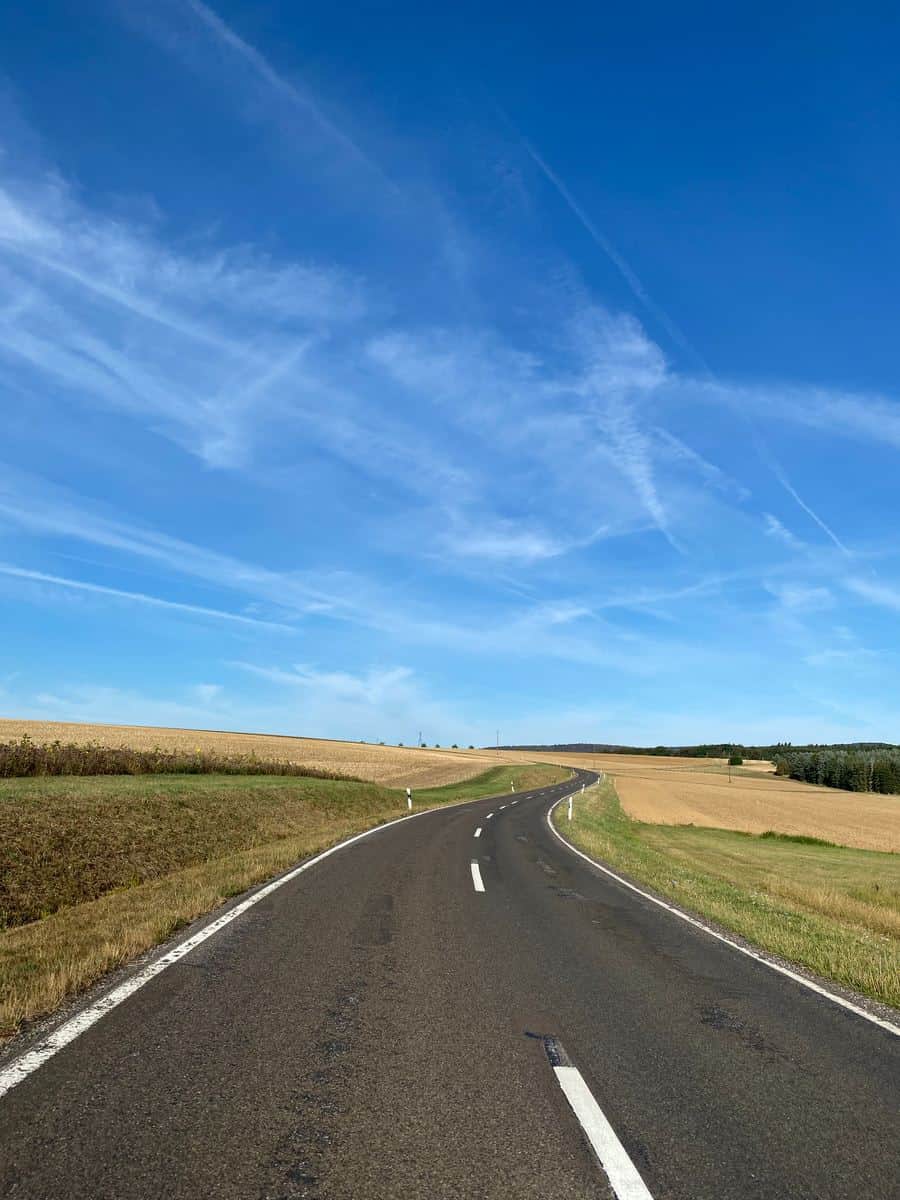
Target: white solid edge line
point(621, 1171)
point(23, 1066)
point(760, 958)
point(477, 832)
point(476, 877)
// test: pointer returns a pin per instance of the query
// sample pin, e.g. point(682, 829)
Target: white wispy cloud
point(368, 704)
point(226, 352)
point(633, 450)
point(498, 541)
point(799, 597)
point(632, 442)
point(373, 687)
point(552, 417)
point(775, 529)
point(106, 703)
point(198, 346)
point(633, 456)
point(33, 505)
point(621, 366)
point(881, 594)
point(830, 657)
point(867, 418)
point(534, 630)
point(503, 543)
point(632, 447)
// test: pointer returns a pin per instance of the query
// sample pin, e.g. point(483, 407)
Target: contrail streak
point(264, 69)
point(789, 488)
point(139, 598)
point(621, 265)
point(638, 290)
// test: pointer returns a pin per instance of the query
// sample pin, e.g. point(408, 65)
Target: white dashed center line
point(621, 1171)
point(476, 877)
point(623, 1175)
point(488, 817)
point(478, 832)
point(502, 806)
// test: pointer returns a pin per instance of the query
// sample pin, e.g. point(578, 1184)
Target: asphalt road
point(368, 1030)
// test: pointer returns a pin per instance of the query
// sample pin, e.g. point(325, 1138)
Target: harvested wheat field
point(393, 766)
point(678, 791)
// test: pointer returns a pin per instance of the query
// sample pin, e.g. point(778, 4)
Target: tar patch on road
point(553, 1048)
point(565, 893)
point(377, 924)
point(301, 1155)
point(713, 1016)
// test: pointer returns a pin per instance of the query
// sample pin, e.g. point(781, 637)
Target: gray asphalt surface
point(364, 1032)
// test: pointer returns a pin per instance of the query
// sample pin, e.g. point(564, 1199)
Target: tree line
point(856, 770)
point(772, 752)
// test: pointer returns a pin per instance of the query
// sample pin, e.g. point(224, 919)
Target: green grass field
point(833, 909)
point(94, 870)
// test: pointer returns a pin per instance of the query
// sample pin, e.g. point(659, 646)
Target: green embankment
point(833, 909)
point(95, 870)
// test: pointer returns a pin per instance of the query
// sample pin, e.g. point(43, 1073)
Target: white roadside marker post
point(409, 798)
point(570, 808)
point(512, 786)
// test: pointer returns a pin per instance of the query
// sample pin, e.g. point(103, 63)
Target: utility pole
point(498, 742)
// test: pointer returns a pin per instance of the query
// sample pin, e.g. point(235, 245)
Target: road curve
point(383, 1026)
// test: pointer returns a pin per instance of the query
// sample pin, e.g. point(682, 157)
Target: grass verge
point(833, 909)
point(110, 866)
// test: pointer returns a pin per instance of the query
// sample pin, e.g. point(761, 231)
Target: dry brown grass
point(393, 766)
point(65, 841)
point(43, 963)
point(678, 791)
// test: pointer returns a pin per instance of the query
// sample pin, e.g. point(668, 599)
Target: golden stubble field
point(678, 791)
point(393, 766)
point(665, 791)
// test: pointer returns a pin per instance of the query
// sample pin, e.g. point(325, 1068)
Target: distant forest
point(711, 750)
point(854, 766)
point(856, 770)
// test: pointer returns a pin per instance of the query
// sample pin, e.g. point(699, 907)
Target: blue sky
point(384, 369)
